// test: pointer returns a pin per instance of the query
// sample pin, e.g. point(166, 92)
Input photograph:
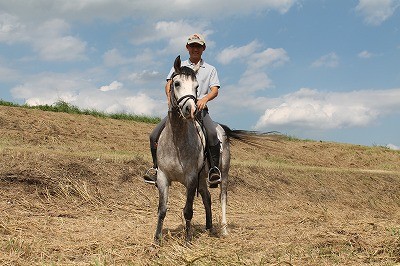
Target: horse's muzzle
point(187, 106)
point(189, 110)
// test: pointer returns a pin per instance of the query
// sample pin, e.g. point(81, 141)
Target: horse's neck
point(179, 128)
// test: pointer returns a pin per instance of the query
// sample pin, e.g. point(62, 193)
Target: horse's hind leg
point(223, 198)
point(188, 210)
point(163, 187)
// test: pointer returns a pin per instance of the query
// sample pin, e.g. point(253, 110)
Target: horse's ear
point(177, 64)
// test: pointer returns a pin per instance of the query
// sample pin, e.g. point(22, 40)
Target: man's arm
point(201, 104)
point(168, 91)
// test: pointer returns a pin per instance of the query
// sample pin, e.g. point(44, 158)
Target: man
point(209, 85)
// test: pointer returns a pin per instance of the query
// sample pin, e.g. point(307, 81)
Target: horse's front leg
point(188, 210)
point(163, 187)
point(206, 197)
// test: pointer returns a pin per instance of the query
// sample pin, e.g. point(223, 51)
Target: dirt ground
point(71, 193)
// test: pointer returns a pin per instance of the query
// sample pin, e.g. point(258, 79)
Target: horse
point(181, 153)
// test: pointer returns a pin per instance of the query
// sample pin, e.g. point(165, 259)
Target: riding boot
point(214, 175)
point(150, 176)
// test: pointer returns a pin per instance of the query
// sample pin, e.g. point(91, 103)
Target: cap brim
point(201, 43)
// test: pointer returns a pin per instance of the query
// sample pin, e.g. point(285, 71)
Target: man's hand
point(202, 103)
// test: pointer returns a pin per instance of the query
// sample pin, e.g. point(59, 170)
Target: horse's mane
point(187, 71)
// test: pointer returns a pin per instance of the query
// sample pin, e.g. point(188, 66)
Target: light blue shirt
point(207, 77)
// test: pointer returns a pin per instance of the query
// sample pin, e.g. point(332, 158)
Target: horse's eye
point(177, 84)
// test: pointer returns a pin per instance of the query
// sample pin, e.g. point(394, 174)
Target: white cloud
point(375, 12)
point(269, 57)
point(235, 7)
point(145, 76)
point(141, 104)
point(365, 54)
point(8, 74)
point(48, 88)
point(115, 85)
point(63, 48)
point(42, 24)
point(146, 58)
point(309, 108)
point(11, 29)
point(254, 77)
point(252, 81)
point(393, 147)
point(254, 59)
point(172, 33)
point(329, 60)
point(232, 53)
point(113, 58)
point(117, 9)
point(124, 102)
point(49, 39)
point(162, 30)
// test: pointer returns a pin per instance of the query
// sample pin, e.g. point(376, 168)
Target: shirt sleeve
point(214, 81)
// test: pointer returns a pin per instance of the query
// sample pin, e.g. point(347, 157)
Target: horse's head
point(184, 89)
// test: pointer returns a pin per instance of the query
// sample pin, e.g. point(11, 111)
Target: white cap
point(196, 38)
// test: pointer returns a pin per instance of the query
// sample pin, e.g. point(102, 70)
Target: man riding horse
point(209, 85)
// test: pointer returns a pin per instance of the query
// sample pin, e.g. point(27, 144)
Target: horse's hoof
point(153, 247)
point(210, 229)
point(188, 243)
point(157, 242)
point(188, 239)
point(224, 231)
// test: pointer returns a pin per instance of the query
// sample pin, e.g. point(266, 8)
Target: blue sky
point(321, 70)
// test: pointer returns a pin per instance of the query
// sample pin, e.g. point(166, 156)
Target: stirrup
point(150, 177)
point(215, 182)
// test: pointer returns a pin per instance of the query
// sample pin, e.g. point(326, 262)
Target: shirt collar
point(193, 64)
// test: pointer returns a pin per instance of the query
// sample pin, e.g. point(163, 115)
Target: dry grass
point(72, 194)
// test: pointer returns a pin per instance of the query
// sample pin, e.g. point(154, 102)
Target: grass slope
point(71, 193)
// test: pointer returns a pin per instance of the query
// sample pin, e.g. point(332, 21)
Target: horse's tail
point(250, 137)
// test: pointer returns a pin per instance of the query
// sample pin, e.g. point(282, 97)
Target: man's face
point(195, 50)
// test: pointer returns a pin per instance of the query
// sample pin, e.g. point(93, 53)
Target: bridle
point(175, 103)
